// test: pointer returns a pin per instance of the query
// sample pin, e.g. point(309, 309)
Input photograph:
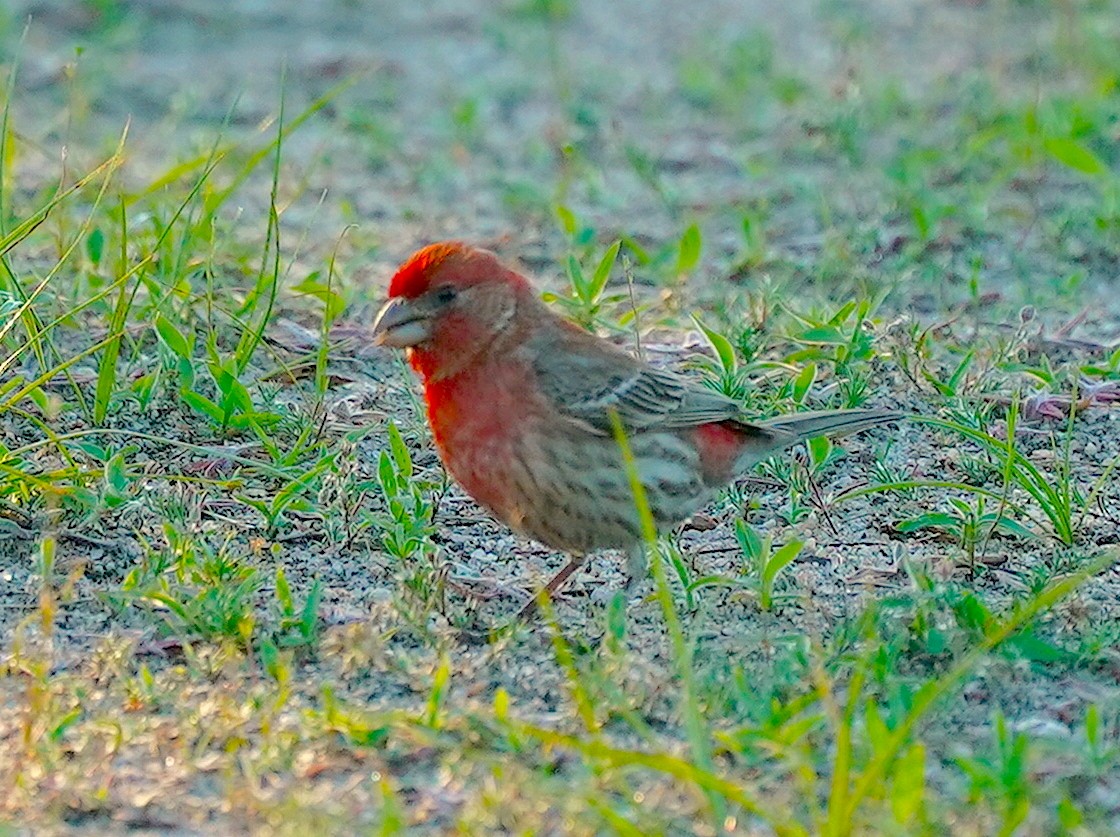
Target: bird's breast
point(554, 479)
point(479, 422)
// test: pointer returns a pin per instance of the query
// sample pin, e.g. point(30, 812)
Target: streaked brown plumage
point(520, 401)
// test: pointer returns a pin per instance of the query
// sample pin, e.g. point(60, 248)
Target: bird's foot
point(631, 595)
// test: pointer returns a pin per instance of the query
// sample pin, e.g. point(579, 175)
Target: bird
point(523, 405)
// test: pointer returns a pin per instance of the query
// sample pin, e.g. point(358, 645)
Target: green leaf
point(288, 496)
point(283, 592)
point(203, 405)
point(1038, 650)
point(579, 283)
point(501, 705)
point(1069, 815)
point(725, 352)
point(234, 393)
point(958, 374)
point(804, 382)
point(936, 641)
point(845, 311)
point(95, 245)
point(637, 251)
point(875, 726)
point(438, 692)
point(309, 616)
point(270, 658)
point(688, 253)
point(172, 337)
point(616, 618)
point(820, 447)
point(603, 271)
point(676, 560)
point(780, 560)
point(92, 449)
point(822, 334)
point(749, 540)
point(931, 520)
point(107, 365)
point(1013, 527)
point(185, 368)
point(1075, 155)
point(254, 420)
point(64, 723)
point(331, 299)
point(1092, 725)
point(116, 477)
point(386, 476)
point(909, 784)
point(401, 456)
point(567, 219)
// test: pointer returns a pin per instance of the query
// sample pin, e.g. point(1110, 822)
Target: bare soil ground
point(925, 156)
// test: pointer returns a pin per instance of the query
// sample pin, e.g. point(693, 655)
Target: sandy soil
point(471, 120)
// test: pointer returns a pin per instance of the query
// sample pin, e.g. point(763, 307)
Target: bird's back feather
point(589, 378)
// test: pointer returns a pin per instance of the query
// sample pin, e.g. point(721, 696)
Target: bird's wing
point(586, 378)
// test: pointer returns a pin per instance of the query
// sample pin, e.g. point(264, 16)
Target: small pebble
point(380, 595)
point(1042, 728)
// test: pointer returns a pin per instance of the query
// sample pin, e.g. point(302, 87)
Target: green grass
point(236, 581)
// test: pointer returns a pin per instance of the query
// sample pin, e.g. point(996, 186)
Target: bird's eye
point(446, 294)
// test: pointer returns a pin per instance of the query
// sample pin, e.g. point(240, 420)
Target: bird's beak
point(401, 323)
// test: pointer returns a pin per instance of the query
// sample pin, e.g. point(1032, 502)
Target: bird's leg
point(637, 568)
point(550, 589)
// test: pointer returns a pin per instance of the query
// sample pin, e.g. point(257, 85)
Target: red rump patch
point(719, 445)
point(413, 277)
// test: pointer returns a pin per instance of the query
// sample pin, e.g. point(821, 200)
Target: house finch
point(520, 403)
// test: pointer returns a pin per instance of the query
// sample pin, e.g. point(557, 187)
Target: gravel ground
point(472, 120)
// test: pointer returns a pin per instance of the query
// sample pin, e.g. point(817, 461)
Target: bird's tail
point(797, 427)
point(775, 434)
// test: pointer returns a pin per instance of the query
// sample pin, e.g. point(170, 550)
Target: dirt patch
point(947, 162)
